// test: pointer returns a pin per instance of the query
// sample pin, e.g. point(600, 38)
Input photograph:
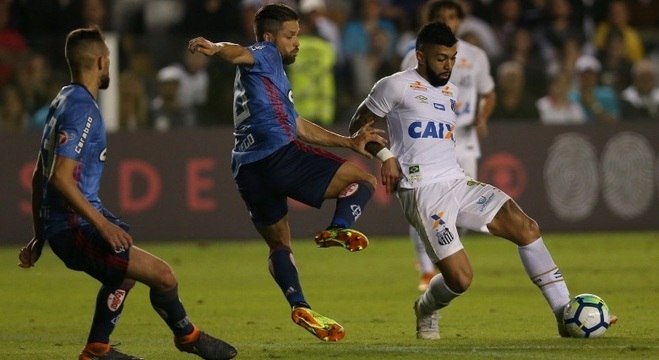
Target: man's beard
point(105, 83)
point(287, 60)
point(434, 79)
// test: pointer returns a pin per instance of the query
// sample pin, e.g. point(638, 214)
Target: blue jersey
point(74, 130)
point(263, 111)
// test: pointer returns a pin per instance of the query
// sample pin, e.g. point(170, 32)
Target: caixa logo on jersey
point(430, 129)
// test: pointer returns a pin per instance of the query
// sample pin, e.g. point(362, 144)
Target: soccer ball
point(586, 316)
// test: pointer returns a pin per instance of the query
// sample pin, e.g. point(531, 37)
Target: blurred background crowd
point(553, 61)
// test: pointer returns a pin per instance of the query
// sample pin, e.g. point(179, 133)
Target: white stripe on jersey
point(421, 121)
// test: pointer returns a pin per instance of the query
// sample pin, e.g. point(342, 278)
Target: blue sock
point(109, 305)
point(170, 309)
point(283, 270)
point(350, 203)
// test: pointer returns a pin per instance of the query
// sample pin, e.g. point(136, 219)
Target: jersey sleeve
point(264, 56)
point(384, 96)
point(484, 81)
point(75, 130)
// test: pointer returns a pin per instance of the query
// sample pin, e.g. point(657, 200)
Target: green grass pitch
point(227, 290)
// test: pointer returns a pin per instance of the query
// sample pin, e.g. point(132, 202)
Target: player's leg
point(432, 210)
point(268, 209)
point(353, 188)
point(513, 224)
point(83, 249)
point(425, 266)
point(163, 294)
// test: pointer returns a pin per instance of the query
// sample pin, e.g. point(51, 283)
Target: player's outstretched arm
point(315, 134)
point(390, 172)
point(229, 52)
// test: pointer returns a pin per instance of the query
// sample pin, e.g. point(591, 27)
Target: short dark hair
point(436, 33)
point(270, 17)
point(434, 7)
point(80, 44)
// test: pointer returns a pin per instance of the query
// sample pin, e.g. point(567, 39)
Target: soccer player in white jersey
point(475, 103)
point(421, 168)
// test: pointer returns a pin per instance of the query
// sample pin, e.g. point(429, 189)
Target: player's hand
point(30, 253)
point(115, 236)
point(365, 135)
point(202, 45)
point(390, 173)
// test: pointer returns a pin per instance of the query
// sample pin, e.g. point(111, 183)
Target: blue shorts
point(84, 249)
point(297, 170)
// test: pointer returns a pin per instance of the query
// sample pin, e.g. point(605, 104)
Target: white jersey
point(471, 74)
point(421, 120)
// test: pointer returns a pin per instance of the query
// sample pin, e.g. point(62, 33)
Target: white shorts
point(436, 210)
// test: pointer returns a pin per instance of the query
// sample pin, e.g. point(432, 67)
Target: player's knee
point(166, 278)
point(460, 282)
point(530, 231)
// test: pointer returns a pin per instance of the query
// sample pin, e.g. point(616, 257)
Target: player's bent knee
point(166, 278)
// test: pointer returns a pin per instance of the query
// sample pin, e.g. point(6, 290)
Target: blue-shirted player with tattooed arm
point(68, 212)
point(271, 162)
point(419, 106)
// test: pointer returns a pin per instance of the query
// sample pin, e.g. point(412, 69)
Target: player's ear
point(420, 57)
point(268, 37)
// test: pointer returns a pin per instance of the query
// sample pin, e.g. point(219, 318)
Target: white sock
point(545, 274)
point(425, 264)
point(437, 295)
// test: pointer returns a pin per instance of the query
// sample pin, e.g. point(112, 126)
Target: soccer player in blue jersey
point(272, 162)
point(68, 212)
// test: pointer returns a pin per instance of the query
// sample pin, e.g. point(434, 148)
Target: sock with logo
point(282, 268)
point(109, 305)
point(168, 305)
point(544, 273)
point(351, 203)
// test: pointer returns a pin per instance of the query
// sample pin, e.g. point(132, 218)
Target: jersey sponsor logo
point(85, 135)
point(349, 190)
point(421, 99)
point(417, 85)
point(439, 107)
point(257, 47)
point(245, 143)
point(430, 129)
point(290, 96)
point(115, 299)
point(103, 155)
point(446, 90)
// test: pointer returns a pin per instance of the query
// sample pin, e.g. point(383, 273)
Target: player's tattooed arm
point(362, 117)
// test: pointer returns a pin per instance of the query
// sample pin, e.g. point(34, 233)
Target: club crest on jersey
point(417, 85)
point(62, 137)
point(454, 105)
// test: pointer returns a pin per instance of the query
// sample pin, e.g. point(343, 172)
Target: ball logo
point(116, 299)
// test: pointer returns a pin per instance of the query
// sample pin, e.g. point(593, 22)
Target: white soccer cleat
point(427, 325)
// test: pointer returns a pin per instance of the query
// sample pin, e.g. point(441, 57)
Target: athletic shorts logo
point(442, 233)
point(349, 190)
point(116, 299)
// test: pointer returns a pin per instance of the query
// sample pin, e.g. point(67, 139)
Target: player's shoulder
point(471, 50)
